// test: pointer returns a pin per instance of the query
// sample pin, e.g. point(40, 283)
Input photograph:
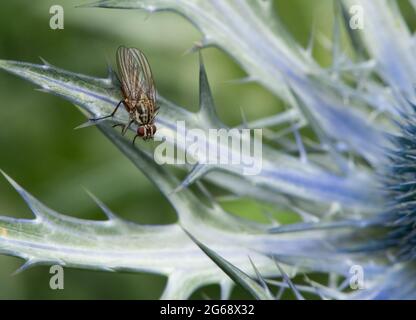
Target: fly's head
point(146, 131)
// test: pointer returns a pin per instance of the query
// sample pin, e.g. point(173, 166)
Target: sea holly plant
point(350, 187)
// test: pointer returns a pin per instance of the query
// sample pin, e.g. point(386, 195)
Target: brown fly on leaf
point(138, 90)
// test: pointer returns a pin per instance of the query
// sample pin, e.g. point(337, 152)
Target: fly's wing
point(135, 74)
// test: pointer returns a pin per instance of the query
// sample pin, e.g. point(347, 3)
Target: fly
point(138, 90)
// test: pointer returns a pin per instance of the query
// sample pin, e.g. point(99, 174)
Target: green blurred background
point(40, 149)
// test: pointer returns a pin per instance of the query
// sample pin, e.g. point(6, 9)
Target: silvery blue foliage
point(354, 188)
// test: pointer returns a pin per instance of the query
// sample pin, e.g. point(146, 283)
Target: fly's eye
point(141, 131)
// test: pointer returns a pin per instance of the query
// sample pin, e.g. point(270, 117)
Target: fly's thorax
point(144, 110)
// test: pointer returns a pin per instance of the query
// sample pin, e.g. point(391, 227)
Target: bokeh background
point(41, 151)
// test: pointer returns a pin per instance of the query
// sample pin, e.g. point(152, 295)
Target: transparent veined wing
point(135, 74)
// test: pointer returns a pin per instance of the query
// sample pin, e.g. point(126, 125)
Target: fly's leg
point(126, 127)
point(110, 115)
point(119, 124)
point(134, 139)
